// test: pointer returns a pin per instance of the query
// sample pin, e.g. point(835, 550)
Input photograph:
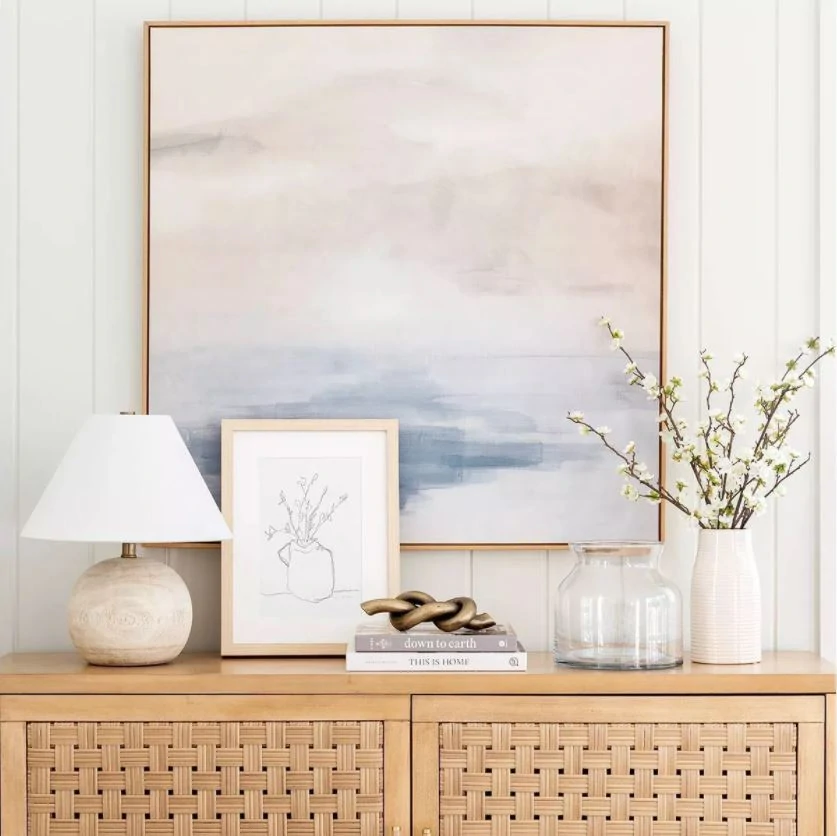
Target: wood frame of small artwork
point(388, 541)
point(663, 26)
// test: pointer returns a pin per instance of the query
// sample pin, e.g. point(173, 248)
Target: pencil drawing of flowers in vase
point(309, 565)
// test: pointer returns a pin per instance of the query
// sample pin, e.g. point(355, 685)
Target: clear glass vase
point(616, 611)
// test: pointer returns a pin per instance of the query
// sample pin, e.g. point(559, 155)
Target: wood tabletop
point(66, 673)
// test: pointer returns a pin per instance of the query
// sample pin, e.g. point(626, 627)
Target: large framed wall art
point(417, 221)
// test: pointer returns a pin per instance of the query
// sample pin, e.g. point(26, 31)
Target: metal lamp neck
point(129, 550)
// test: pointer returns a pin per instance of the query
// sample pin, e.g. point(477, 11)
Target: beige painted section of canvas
point(435, 261)
point(73, 344)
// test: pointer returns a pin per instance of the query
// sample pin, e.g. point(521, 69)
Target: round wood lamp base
point(130, 611)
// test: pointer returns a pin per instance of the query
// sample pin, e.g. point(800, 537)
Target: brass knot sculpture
point(410, 609)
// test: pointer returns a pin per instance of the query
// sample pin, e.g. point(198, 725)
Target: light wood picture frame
point(502, 247)
point(313, 506)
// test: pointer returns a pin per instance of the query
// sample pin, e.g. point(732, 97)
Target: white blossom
point(629, 448)
point(737, 422)
point(576, 416)
point(630, 492)
point(604, 430)
point(723, 465)
point(604, 321)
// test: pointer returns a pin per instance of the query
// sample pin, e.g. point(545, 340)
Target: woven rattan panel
point(203, 779)
point(550, 779)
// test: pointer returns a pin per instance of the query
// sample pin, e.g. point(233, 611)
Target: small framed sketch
point(313, 505)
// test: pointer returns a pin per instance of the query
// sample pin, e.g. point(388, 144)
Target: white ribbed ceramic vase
point(726, 599)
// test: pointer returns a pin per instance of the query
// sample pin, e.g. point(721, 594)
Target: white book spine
point(429, 662)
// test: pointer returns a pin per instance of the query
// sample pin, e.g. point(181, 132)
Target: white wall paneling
point(359, 9)
point(827, 473)
point(797, 283)
point(743, 262)
point(57, 304)
point(738, 211)
point(118, 181)
point(443, 574)
point(434, 9)
point(8, 321)
point(589, 9)
point(511, 9)
point(513, 586)
point(283, 9)
point(206, 9)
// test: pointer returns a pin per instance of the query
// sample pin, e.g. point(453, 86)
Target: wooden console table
point(290, 747)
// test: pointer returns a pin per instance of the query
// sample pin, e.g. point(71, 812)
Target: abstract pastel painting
point(421, 222)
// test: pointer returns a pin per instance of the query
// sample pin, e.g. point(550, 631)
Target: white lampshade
point(127, 479)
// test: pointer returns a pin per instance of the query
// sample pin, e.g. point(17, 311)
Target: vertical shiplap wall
point(744, 260)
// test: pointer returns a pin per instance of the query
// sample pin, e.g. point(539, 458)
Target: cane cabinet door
point(613, 766)
point(200, 766)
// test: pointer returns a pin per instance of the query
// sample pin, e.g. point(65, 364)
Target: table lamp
point(128, 479)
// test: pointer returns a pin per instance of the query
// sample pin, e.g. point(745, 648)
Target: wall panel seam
point(700, 186)
point(94, 395)
point(826, 185)
point(16, 558)
point(471, 572)
point(776, 349)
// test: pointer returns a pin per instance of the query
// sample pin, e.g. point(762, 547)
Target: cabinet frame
point(808, 713)
point(16, 712)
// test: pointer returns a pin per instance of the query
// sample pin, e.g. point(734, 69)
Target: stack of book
point(377, 646)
